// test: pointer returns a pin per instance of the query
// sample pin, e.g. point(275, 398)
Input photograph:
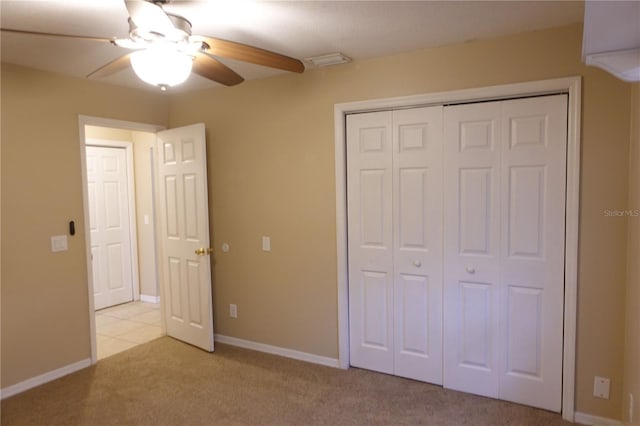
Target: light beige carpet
point(165, 382)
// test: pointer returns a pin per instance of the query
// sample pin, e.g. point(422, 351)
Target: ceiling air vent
point(328, 60)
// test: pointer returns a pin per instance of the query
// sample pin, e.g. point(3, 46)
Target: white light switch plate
point(601, 387)
point(59, 243)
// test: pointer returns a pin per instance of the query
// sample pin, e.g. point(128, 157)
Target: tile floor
point(122, 327)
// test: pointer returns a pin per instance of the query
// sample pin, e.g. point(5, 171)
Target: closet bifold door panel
point(472, 247)
point(504, 201)
point(394, 200)
point(417, 236)
point(370, 244)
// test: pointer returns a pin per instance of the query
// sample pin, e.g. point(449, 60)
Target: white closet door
point(472, 247)
point(394, 177)
point(534, 134)
point(370, 245)
point(417, 236)
point(505, 178)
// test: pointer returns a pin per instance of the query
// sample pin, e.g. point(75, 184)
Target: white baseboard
point(43, 378)
point(276, 350)
point(149, 299)
point(591, 420)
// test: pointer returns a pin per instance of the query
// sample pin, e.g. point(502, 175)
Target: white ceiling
point(301, 29)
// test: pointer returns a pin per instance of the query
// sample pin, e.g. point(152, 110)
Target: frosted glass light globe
point(161, 66)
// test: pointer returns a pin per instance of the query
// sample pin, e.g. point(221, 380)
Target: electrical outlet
point(601, 387)
point(233, 310)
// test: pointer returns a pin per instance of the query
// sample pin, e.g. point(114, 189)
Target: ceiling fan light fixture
point(161, 66)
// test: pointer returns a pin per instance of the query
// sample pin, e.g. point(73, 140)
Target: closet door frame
point(570, 86)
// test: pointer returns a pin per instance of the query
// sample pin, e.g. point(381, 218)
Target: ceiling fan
point(165, 52)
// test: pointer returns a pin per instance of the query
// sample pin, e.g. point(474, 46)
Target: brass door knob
point(202, 251)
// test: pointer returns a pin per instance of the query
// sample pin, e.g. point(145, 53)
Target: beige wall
point(271, 161)
point(142, 142)
point(271, 172)
point(107, 133)
point(632, 341)
point(45, 322)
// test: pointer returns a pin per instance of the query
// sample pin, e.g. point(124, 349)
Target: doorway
point(118, 326)
point(500, 267)
point(570, 86)
point(124, 284)
point(177, 244)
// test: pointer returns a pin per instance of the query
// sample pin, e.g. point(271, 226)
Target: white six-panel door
point(505, 178)
point(395, 253)
point(109, 226)
point(184, 219)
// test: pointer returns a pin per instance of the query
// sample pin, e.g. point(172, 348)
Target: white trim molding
point(591, 420)
point(44, 378)
point(570, 85)
point(149, 299)
point(276, 350)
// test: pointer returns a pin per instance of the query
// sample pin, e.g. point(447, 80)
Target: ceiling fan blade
point(128, 43)
point(112, 67)
point(149, 16)
point(254, 55)
point(215, 70)
point(37, 33)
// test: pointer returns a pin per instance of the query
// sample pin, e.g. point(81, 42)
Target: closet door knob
point(471, 270)
point(417, 263)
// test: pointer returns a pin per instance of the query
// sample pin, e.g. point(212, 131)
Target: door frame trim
point(569, 85)
point(85, 120)
point(131, 200)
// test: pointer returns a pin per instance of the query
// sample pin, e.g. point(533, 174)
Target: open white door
point(184, 235)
